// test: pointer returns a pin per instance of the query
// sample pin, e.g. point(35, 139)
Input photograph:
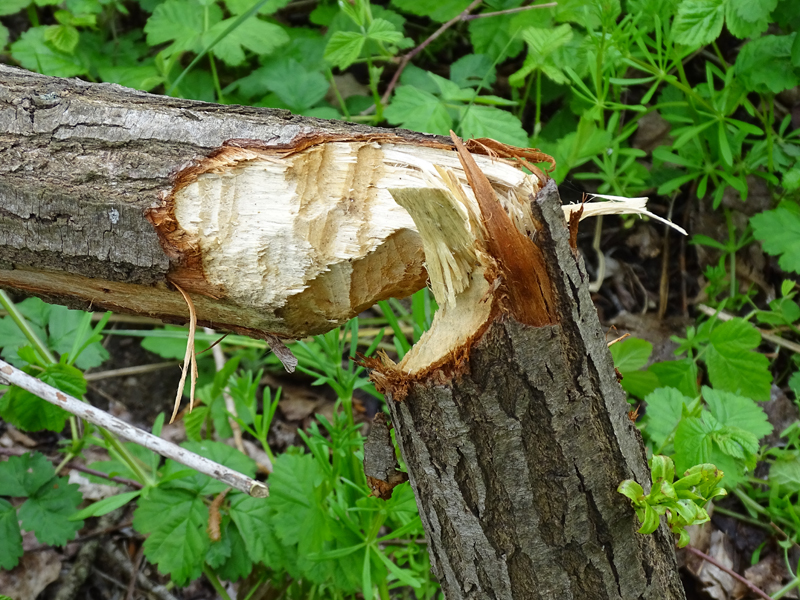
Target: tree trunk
point(511, 422)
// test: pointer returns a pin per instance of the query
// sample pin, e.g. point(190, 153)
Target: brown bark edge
point(515, 459)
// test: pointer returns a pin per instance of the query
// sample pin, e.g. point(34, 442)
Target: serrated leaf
point(62, 37)
point(736, 442)
point(176, 523)
point(736, 411)
point(764, 65)
point(742, 28)
point(382, 30)
point(693, 441)
point(496, 36)
point(219, 551)
point(418, 110)
point(699, 22)
point(542, 44)
point(10, 536)
point(664, 411)
point(47, 512)
point(299, 88)
point(180, 22)
point(779, 230)
point(343, 48)
point(254, 34)
point(255, 517)
point(218, 452)
point(753, 11)
point(21, 476)
point(732, 364)
point(488, 121)
point(238, 564)
point(139, 77)
point(34, 53)
point(441, 11)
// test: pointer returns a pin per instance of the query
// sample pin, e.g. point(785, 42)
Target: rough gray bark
point(81, 163)
point(515, 462)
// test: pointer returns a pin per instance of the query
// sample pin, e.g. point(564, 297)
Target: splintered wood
point(303, 237)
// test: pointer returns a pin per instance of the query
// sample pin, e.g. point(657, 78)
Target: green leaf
point(9, 7)
point(238, 7)
point(784, 472)
point(631, 354)
point(10, 536)
point(254, 34)
point(542, 44)
point(176, 523)
point(62, 37)
point(418, 110)
point(299, 88)
point(238, 564)
point(740, 27)
point(679, 374)
point(219, 551)
point(47, 512)
point(753, 11)
point(255, 516)
point(699, 22)
point(441, 11)
point(732, 364)
point(497, 37)
point(21, 476)
point(665, 408)
point(779, 230)
point(382, 30)
point(30, 413)
point(488, 121)
point(179, 22)
point(218, 452)
point(764, 64)
point(343, 48)
point(736, 411)
point(139, 77)
point(34, 53)
point(472, 70)
point(63, 325)
point(105, 506)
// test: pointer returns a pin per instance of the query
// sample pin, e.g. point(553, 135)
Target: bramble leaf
point(254, 34)
point(343, 48)
point(238, 563)
point(488, 121)
point(418, 110)
point(680, 374)
point(664, 411)
point(180, 22)
point(10, 536)
point(733, 365)
point(786, 474)
point(736, 411)
point(34, 53)
point(218, 452)
point(699, 22)
point(779, 230)
point(764, 65)
point(255, 516)
point(176, 523)
point(21, 476)
point(631, 354)
point(47, 512)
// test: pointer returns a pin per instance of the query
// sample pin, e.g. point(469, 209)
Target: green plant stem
point(215, 583)
point(126, 457)
point(20, 321)
point(786, 589)
point(383, 590)
point(338, 95)
point(537, 124)
point(215, 78)
point(33, 16)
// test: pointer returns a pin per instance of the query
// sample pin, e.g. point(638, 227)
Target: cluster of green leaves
point(682, 500)
point(50, 502)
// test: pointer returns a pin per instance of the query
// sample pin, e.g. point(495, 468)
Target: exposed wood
point(516, 436)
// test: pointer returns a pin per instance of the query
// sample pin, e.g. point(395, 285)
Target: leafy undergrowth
point(690, 102)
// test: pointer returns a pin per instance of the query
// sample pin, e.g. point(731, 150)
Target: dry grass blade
point(189, 359)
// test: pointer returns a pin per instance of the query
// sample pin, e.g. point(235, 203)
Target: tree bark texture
point(515, 460)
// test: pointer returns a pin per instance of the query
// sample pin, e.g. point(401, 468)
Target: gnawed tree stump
point(509, 415)
point(512, 425)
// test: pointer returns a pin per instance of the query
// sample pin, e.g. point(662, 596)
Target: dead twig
point(508, 11)
point(750, 585)
point(14, 376)
point(125, 371)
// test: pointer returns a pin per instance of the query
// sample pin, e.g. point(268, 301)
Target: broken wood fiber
point(509, 417)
